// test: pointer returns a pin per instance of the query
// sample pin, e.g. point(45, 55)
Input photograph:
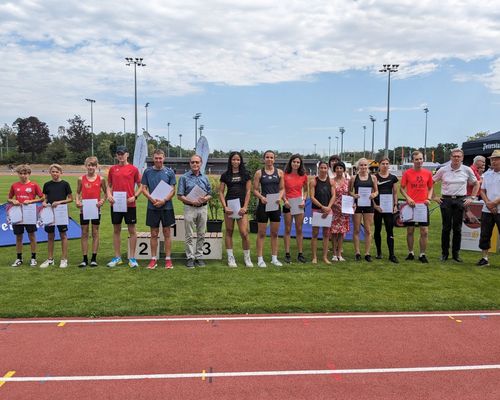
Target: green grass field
point(341, 287)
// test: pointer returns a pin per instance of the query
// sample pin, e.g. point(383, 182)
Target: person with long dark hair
point(340, 221)
point(295, 188)
point(238, 183)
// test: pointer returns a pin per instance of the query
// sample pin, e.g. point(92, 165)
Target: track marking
point(61, 324)
point(9, 374)
point(250, 318)
point(456, 320)
point(235, 374)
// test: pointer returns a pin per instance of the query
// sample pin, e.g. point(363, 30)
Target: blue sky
point(283, 76)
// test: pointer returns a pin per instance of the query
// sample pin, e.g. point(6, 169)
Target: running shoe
point(114, 262)
point(199, 263)
point(83, 264)
point(47, 263)
point(410, 257)
point(153, 264)
point(63, 263)
point(368, 258)
point(335, 258)
point(17, 263)
point(393, 259)
point(231, 262)
point(288, 259)
point(423, 259)
point(93, 263)
point(262, 264)
point(190, 263)
point(301, 259)
point(340, 258)
point(276, 263)
point(483, 262)
point(248, 262)
point(33, 262)
point(168, 264)
point(358, 257)
point(132, 263)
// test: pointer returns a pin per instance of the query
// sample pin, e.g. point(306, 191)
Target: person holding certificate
point(417, 188)
point(235, 202)
point(158, 185)
point(25, 192)
point(88, 199)
point(194, 191)
point(268, 187)
point(364, 189)
point(122, 196)
point(340, 221)
point(295, 179)
point(322, 191)
point(57, 196)
point(386, 204)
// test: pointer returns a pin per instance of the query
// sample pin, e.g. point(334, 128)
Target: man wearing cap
point(454, 177)
point(122, 178)
point(490, 193)
point(195, 210)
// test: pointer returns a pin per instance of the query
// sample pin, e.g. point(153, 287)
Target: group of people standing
point(374, 202)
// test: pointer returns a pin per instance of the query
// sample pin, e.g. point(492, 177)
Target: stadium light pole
point(146, 106)
point(137, 62)
point(389, 68)
point(201, 129)
point(342, 131)
point(196, 118)
point(426, 111)
point(314, 148)
point(180, 145)
point(364, 140)
point(373, 135)
point(329, 146)
point(337, 152)
point(168, 139)
point(91, 101)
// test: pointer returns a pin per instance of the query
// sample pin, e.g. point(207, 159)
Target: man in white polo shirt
point(454, 177)
point(490, 193)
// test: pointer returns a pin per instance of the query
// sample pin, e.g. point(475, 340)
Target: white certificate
point(406, 213)
point(89, 209)
point(386, 203)
point(120, 204)
point(272, 202)
point(29, 214)
point(15, 214)
point(294, 205)
point(364, 197)
point(61, 214)
point(161, 191)
point(46, 216)
point(234, 205)
point(318, 220)
point(347, 204)
point(195, 194)
point(420, 213)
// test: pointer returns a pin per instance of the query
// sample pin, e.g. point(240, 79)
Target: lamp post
point(196, 118)
point(124, 133)
point(329, 146)
point(426, 111)
point(364, 141)
point(91, 101)
point(373, 135)
point(137, 62)
point(342, 131)
point(389, 68)
point(201, 129)
point(180, 145)
point(315, 148)
point(168, 139)
point(337, 152)
point(146, 106)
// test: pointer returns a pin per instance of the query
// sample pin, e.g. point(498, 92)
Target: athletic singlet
point(91, 189)
point(269, 184)
point(322, 192)
point(359, 183)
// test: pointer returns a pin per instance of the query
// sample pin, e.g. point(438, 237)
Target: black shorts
point(263, 216)
point(130, 216)
point(154, 217)
point(88, 221)
point(52, 228)
point(285, 209)
point(411, 223)
point(19, 228)
point(364, 210)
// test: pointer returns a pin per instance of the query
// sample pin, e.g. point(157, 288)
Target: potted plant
point(214, 222)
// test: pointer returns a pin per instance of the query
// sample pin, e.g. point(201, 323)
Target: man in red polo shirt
point(478, 168)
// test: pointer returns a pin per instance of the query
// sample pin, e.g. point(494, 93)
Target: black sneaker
point(457, 258)
point(410, 257)
point(368, 258)
point(483, 262)
point(301, 259)
point(93, 264)
point(423, 259)
point(393, 259)
point(83, 264)
point(444, 257)
point(358, 257)
point(190, 263)
point(200, 263)
point(288, 259)
point(378, 256)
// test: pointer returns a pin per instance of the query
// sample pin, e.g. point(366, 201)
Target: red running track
point(306, 357)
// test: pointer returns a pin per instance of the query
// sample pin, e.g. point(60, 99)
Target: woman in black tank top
point(322, 192)
point(267, 181)
point(363, 180)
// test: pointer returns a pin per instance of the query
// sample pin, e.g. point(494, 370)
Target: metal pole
point(337, 152)
point(364, 140)
point(180, 145)
point(91, 101)
point(201, 129)
point(147, 106)
point(426, 111)
point(124, 133)
point(137, 62)
point(373, 135)
point(388, 68)
point(329, 146)
point(314, 148)
point(196, 117)
point(168, 139)
point(341, 130)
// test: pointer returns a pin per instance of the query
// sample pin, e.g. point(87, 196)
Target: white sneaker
point(248, 262)
point(33, 262)
point(63, 264)
point(47, 263)
point(17, 263)
point(335, 258)
point(341, 258)
point(262, 264)
point(231, 262)
point(276, 263)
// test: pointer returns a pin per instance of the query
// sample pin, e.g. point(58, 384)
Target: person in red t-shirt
point(89, 187)
point(295, 188)
point(417, 188)
point(123, 177)
point(24, 192)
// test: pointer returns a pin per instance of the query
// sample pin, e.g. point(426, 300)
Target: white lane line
point(249, 318)
point(236, 374)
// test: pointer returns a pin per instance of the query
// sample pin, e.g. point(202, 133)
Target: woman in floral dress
point(340, 222)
